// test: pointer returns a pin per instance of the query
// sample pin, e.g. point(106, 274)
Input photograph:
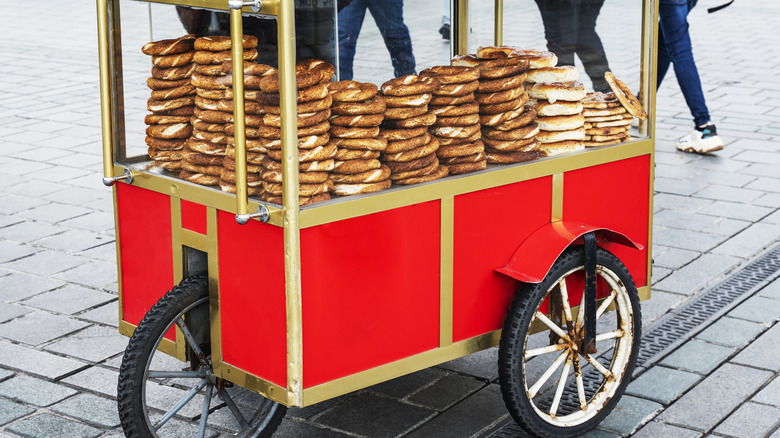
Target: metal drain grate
point(681, 324)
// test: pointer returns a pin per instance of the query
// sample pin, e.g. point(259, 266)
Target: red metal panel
point(251, 297)
point(489, 225)
point(370, 291)
point(193, 217)
point(614, 196)
point(145, 247)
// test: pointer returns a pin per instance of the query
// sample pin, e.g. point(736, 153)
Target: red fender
point(536, 255)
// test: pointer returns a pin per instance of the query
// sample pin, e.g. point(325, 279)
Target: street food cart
point(239, 305)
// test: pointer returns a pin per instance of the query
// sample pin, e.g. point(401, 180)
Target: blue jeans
point(674, 46)
point(388, 15)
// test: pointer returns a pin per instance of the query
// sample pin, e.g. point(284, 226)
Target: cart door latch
point(239, 4)
point(589, 342)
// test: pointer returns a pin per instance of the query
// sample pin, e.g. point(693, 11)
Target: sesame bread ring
point(537, 59)
point(173, 73)
point(351, 167)
point(165, 145)
point(560, 123)
point(177, 60)
point(316, 92)
point(455, 110)
point(361, 188)
point(426, 119)
point(452, 100)
point(309, 166)
point(206, 57)
point(480, 156)
point(214, 116)
point(461, 168)
point(452, 74)
point(625, 96)
point(207, 104)
point(363, 120)
point(168, 132)
point(460, 150)
point(561, 147)
point(390, 134)
point(413, 154)
point(275, 176)
point(304, 107)
point(163, 155)
point(598, 100)
point(351, 91)
point(607, 130)
point(318, 129)
point(427, 170)
point(302, 200)
point(496, 85)
point(324, 70)
point(157, 106)
point(355, 154)
point(211, 93)
point(303, 188)
point(404, 112)
point(405, 101)
point(319, 153)
point(251, 131)
point(405, 166)
point(231, 188)
point(251, 156)
point(409, 85)
point(170, 46)
point(500, 96)
point(500, 72)
point(369, 176)
point(447, 141)
point(464, 120)
point(553, 136)
point(248, 95)
point(307, 74)
point(602, 138)
point(494, 52)
point(354, 132)
point(199, 159)
point(563, 73)
point(375, 105)
point(600, 112)
point(559, 108)
point(199, 178)
point(208, 81)
point(313, 142)
point(612, 123)
point(455, 131)
point(186, 110)
point(521, 120)
point(230, 164)
point(372, 144)
point(569, 91)
point(509, 145)
point(250, 83)
point(250, 106)
point(497, 119)
point(220, 43)
point(213, 137)
point(208, 69)
point(394, 147)
point(494, 157)
point(441, 172)
point(162, 84)
point(523, 133)
point(304, 119)
point(509, 105)
point(170, 166)
point(164, 119)
point(461, 89)
point(215, 170)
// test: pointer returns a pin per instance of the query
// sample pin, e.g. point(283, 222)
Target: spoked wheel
point(551, 385)
point(160, 396)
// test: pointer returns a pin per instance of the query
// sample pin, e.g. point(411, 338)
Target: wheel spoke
point(544, 350)
point(604, 372)
point(233, 408)
point(180, 404)
point(561, 385)
point(200, 374)
point(553, 326)
point(604, 304)
point(565, 300)
point(546, 376)
point(580, 382)
point(610, 335)
point(204, 416)
point(580, 316)
point(192, 342)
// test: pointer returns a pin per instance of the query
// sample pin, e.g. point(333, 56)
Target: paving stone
point(758, 309)
point(687, 239)
point(18, 286)
point(46, 262)
point(37, 362)
point(731, 332)
point(655, 429)
point(95, 273)
point(93, 221)
point(76, 196)
point(94, 344)
point(369, 414)
point(11, 251)
point(662, 384)
point(482, 364)
point(762, 353)
point(629, 414)
point(403, 386)
point(750, 241)
point(35, 188)
point(11, 204)
point(69, 299)
point(446, 392)
point(699, 273)
point(48, 425)
point(34, 391)
point(659, 304)
point(751, 420)
point(682, 203)
point(5, 374)
point(106, 252)
point(108, 314)
point(96, 379)
point(90, 408)
point(10, 411)
point(468, 417)
point(11, 311)
point(735, 210)
point(290, 428)
point(38, 327)
point(770, 394)
point(715, 397)
point(29, 230)
point(697, 356)
point(597, 433)
point(673, 258)
point(74, 240)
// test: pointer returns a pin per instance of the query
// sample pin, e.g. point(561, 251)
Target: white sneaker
point(701, 141)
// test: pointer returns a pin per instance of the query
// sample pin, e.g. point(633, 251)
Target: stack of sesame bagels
point(457, 127)
point(357, 111)
point(411, 152)
point(315, 152)
point(172, 100)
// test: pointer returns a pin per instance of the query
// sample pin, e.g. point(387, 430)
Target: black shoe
point(444, 30)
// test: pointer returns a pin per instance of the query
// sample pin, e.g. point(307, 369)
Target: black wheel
point(550, 384)
point(160, 396)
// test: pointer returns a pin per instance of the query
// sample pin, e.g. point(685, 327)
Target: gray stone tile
point(727, 227)
point(36, 362)
point(10, 204)
point(597, 433)
point(662, 384)
point(5, 374)
point(105, 252)
point(48, 425)
point(35, 188)
point(659, 304)
point(629, 414)
point(39, 327)
point(74, 240)
point(34, 391)
point(697, 356)
point(94, 344)
point(93, 221)
point(715, 398)
point(482, 364)
point(69, 299)
point(18, 286)
point(683, 220)
point(686, 239)
point(28, 231)
point(11, 251)
point(468, 417)
point(95, 379)
point(404, 386)
point(683, 203)
point(90, 408)
point(108, 314)
point(751, 420)
point(368, 414)
point(758, 309)
point(46, 262)
point(761, 353)
point(772, 291)
point(673, 258)
point(77, 196)
point(10, 411)
point(656, 429)
point(736, 210)
point(731, 332)
point(701, 272)
point(729, 194)
point(446, 392)
point(290, 428)
point(751, 240)
point(94, 273)
point(770, 394)
point(11, 311)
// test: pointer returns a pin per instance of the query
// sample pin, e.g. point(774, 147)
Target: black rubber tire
point(514, 340)
point(191, 293)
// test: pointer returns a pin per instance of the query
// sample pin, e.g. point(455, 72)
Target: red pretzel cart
point(239, 308)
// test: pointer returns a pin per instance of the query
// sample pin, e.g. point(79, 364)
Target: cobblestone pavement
point(60, 350)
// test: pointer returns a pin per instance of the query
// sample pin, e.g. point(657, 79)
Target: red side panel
point(614, 196)
point(193, 217)
point(489, 226)
point(146, 249)
point(370, 291)
point(252, 303)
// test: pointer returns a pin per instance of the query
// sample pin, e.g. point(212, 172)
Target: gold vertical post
point(648, 80)
point(237, 48)
point(556, 215)
point(104, 57)
point(447, 249)
point(290, 209)
point(498, 29)
point(460, 23)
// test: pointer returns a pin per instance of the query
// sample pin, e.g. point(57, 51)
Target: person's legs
point(350, 22)
point(444, 30)
point(389, 18)
point(663, 61)
point(560, 28)
point(589, 47)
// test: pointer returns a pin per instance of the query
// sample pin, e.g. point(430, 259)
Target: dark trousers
point(570, 28)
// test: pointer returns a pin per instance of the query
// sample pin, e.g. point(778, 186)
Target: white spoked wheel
point(552, 385)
